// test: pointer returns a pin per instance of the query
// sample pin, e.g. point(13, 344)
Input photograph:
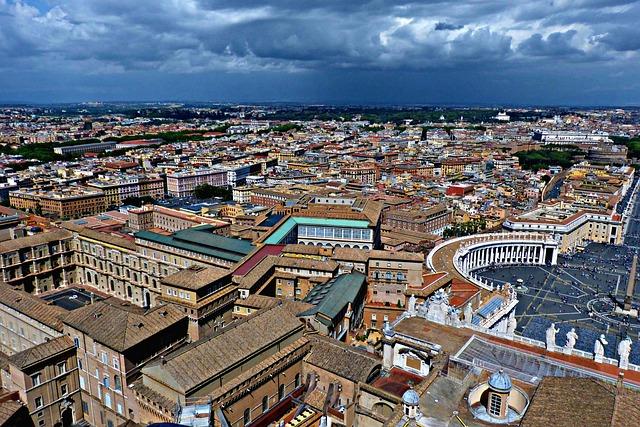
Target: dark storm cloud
point(444, 26)
point(300, 38)
point(554, 45)
point(622, 39)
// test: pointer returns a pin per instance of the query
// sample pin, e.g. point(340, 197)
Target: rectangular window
point(35, 379)
point(62, 368)
point(39, 402)
point(64, 389)
point(495, 403)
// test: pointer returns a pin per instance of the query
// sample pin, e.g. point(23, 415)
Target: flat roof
point(278, 235)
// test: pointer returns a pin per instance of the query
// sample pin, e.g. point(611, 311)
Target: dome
point(411, 398)
point(500, 381)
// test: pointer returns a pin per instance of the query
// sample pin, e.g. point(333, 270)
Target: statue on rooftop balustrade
point(624, 349)
point(572, 338)
point(598, 348)
point(551, 337)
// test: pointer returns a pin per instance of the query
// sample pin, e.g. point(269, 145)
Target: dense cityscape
point(296, 265)
point(364, 213)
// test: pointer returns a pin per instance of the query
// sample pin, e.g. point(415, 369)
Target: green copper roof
point(202, 241)
point(331, 298)
point(282, 231)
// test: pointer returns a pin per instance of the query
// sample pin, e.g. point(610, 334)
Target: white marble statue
point(423, 309)
point(438, 307)
point(572, 338)
point(551, 337)
point(598, 348)
point(468, 314)
point(412, 305)
point(624, 349)
point(453, 317)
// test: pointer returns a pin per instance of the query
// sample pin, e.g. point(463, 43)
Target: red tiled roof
point(462, 292)
point(397, 382)
point(258, 256)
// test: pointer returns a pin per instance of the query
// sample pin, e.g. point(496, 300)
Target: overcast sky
point(342, 51)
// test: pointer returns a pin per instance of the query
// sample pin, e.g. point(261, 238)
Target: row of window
point(246, 417)
point(179, 294)
point(389, 276)
point(36, 379)
point(334, 233)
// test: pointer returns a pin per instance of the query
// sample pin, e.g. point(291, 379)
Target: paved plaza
point(581, 291)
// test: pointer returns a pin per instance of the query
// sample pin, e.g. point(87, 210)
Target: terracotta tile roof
point(301, 249)
point(118, 240)
point(342, 360)
point(397, 381)
point(266, 302)
point(32, 306)
point(306, 263)
point(148, 393)
point(584, 402)
point(399, 256)
point(41, 352)
point(462, 292)
point(36, 239)
point(426, 330)
point(350, 254)
point(196, 277)
point(197, 364)
point(120, 327)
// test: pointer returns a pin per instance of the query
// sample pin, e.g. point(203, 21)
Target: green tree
point(207, 191)
point(138, 201)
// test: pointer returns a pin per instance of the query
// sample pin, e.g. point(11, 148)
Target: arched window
point(281, 392)
point(76, 342)
point(265, 403)
point(388, 275)
point(117, 383)
point(105, 381)
point(112, 286)
point(129, 291)
point(246, 417)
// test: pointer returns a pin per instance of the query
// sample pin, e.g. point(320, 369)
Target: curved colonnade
point(463, 255)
